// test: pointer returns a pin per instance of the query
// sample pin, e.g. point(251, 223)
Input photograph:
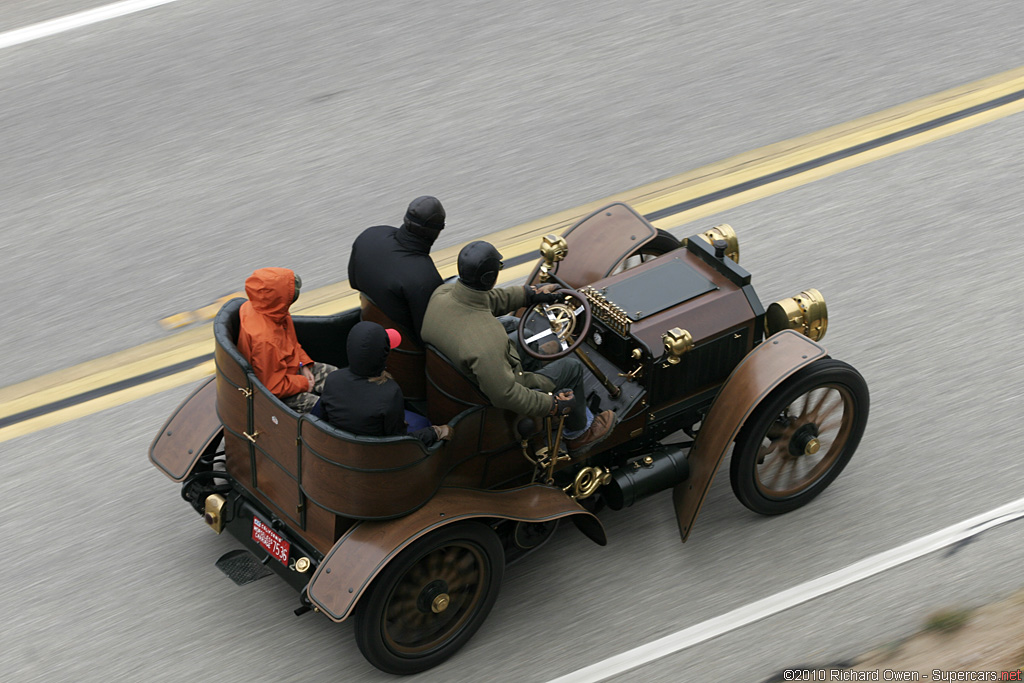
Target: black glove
point(534, 297)
point(562, 402)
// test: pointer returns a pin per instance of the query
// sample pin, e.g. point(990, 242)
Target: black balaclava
point(425, 218)
point(479, 263)
point(368, 349)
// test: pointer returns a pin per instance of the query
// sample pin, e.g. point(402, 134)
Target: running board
point(242, 567)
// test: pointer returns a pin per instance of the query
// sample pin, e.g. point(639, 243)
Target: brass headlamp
point(806, 313)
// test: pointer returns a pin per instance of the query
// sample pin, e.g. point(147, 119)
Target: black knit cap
point(479, 263)
point(425, 217)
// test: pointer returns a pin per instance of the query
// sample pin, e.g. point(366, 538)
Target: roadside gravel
point(974, 644)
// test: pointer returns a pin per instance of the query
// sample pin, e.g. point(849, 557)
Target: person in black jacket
point(392, 266)
point(363, 399)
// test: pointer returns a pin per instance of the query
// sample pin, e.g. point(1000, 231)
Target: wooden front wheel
point(798, 440)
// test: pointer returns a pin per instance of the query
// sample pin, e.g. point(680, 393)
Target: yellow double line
point(153, 367)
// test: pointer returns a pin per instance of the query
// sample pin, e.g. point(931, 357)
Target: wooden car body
point(677, 344)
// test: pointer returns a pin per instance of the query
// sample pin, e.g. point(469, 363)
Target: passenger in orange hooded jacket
point(267, 339)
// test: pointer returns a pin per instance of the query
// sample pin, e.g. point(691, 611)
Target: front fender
point(358, 556)
point(763, 369)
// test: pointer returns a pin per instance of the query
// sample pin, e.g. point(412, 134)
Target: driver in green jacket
point(460, 322)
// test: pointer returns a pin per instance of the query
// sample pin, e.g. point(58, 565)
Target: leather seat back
point(407, 363)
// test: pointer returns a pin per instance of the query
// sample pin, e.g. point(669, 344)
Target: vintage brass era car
point(412, 542)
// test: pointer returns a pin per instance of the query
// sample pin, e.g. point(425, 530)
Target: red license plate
point(270, 541)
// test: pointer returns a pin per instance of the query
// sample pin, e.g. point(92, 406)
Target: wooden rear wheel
point(430, 600)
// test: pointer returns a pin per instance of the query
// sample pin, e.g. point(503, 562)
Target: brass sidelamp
point(677, 341)
point(553, 249)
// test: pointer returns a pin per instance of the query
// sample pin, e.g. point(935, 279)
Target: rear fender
point(190, 431)
point(358, 556)
point(760, 372)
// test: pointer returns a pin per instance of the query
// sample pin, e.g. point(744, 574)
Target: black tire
point(662, 243)
point(798, 439)
point(398, 627)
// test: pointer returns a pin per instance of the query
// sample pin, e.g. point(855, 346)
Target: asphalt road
point(153, 161)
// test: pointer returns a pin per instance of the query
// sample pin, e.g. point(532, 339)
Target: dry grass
point(947, 621)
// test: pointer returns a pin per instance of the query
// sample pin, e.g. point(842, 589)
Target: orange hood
point(271, 291)
point(267, 335)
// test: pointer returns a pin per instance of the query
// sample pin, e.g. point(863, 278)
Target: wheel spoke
point(466, 570)
point(832, 424)
point(828, 411)
point(774, 480)
point(764, 451)
point(406, 590)
point(418, 574)
point(402, 612)
point(456, 566)
point(807, 399)
point(778, 470)
point(812, 415)
point(435, 563)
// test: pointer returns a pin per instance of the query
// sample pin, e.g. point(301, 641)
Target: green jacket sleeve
point(506, 300)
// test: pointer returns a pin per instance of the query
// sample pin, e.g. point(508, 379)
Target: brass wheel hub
point(434, 597)
point(805, 440)
point(440, 603)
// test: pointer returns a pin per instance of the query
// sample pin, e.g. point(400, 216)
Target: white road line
point(792, 597)
point(77, 20)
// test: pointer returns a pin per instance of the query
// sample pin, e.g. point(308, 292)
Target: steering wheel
point(566, 321)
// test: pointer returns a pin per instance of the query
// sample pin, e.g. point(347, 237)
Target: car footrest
point(242, 567)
